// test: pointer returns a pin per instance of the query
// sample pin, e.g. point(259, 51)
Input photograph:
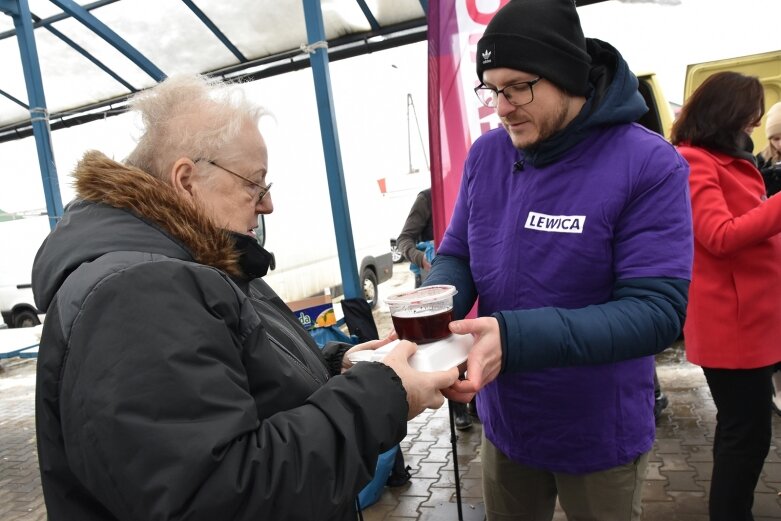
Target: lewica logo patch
point(555, 223)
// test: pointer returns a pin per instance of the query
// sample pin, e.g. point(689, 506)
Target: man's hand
point(423, 389)
point(371, 344)
point(485, 357)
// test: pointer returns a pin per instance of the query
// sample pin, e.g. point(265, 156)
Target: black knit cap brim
point(541, 37)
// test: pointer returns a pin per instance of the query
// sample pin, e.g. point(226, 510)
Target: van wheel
point(25, 318)
point(369, 283)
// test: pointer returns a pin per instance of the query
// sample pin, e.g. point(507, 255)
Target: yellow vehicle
point(765, 66)
point(659, 117)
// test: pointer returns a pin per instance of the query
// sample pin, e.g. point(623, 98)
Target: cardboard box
point(314, 311)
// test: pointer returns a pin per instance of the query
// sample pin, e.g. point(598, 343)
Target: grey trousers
point(514, 492)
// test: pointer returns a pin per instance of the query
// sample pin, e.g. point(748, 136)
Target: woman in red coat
point(735, 294)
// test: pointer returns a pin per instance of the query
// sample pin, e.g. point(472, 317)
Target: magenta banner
point(456, 118)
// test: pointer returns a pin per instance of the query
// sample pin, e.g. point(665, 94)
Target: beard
point(545, 125)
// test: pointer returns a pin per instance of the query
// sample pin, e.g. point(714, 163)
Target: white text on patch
point(555, 223)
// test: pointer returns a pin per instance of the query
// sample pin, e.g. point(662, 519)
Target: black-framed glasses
point(262, 190)
point(517, 94)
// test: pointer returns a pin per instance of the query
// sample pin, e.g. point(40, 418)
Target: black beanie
point(543, 37)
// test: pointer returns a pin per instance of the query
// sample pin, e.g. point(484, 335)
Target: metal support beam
point(112, 38)
point(215, 30)
point(373, 23)
point(15, 100)
point(19, 11)
point(345, 244)
point(338, 49)
point(81, 50)
point(9, 7)
point(56, 18)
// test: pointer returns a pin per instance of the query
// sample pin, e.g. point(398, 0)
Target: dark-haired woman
point(733, 299)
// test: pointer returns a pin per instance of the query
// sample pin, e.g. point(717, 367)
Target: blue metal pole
point(333, 160)
point(19, 10)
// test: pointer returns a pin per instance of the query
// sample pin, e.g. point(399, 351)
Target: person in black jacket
point(173, 383)
point(418, 228)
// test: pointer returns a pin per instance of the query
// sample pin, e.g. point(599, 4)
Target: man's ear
point(182, 176)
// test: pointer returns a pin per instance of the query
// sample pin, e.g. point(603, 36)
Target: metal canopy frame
point(39, 115)
point(320, 51)
point(338, 49)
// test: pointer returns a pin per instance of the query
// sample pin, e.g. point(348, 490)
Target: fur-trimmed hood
point(121, 208)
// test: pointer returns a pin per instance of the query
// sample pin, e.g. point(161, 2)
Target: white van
point(18, 305)
point(21, 239)
point(373, 132)
point(303, 241)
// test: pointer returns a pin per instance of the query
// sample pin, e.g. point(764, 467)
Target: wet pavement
point(678, 479)
point(676, 488)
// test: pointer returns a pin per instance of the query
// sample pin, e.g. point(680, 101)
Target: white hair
point(188, 116)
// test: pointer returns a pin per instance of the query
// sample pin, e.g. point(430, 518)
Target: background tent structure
point(81, 61)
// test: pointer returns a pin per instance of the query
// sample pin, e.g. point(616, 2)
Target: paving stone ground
point(676, 488)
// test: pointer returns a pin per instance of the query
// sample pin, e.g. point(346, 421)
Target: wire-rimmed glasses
point(262, 190)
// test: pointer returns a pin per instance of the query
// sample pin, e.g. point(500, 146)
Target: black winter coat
point(771, 174)
point(166, 390)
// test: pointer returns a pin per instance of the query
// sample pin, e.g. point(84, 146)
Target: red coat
point(735, 295)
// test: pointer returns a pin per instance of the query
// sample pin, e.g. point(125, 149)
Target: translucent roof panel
point(390, 12)
point(173, 38)
point(12, 82)
point(80, 70)
point(6, 24)
point(45, 9)
point(70, 79)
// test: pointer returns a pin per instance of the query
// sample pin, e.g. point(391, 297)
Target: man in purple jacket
point(573, 227)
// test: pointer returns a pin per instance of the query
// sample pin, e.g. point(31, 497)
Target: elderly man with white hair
point(173, 383)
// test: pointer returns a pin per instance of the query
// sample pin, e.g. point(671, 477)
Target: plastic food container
point(435, 356)
point(423, 314)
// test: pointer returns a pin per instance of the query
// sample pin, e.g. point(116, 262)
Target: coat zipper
point(295, 359)
point(284, 329)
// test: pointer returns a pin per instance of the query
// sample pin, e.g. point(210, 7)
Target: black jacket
point(417, 228)
point(771, 174)
point(168, 391)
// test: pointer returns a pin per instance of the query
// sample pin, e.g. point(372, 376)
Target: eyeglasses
point(262, 190)
point(517, 94)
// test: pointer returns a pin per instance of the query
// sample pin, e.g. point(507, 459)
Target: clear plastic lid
point(422, 296)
